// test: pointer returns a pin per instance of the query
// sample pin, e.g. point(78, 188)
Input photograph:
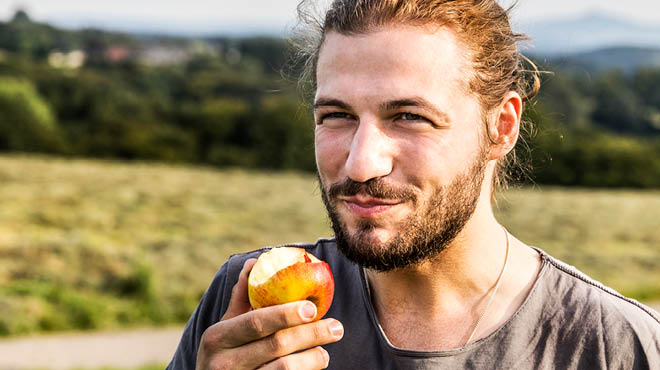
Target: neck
point(459, 275)
point(443, 298)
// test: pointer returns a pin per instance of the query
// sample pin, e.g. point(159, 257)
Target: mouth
point(365, 206)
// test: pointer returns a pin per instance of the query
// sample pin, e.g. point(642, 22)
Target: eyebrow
point(329, 102)
point(416, 102)
point(388, 106)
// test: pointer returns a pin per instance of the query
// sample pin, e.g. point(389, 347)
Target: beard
point(422, 235)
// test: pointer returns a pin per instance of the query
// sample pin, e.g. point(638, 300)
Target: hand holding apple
point(288, 274)
point(281, 336)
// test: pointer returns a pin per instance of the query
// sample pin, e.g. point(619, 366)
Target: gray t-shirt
point(568, 321)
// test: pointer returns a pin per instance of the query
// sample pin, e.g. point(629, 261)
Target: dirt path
point(121, 349)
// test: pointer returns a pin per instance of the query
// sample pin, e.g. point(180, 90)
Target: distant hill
point(588, 33)
point(624, 58)
point(595, 43)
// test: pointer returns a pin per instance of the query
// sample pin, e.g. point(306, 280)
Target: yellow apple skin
point(312, 281)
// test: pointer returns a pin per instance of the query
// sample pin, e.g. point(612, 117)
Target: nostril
point(365, 169)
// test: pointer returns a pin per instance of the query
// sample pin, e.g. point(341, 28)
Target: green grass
point(93, 244)
point(612, 235)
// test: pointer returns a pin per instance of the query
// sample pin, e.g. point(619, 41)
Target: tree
point(617, 106)
point(566, 101)
point(283, 135)
point(21, 16)
point(26, 120)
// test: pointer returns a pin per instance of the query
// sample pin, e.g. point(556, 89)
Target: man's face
point(399, 143)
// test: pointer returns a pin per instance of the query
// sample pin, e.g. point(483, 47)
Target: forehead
point(395, 60)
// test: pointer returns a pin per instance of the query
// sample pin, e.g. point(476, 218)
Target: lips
point(366, 206)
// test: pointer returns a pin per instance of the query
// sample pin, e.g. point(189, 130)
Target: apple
point(288, 274)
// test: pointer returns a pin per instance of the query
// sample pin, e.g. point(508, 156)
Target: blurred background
point(143, 142)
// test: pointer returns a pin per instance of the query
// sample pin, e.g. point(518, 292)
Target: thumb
point(239, 302)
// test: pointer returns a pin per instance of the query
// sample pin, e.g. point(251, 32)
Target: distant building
point(157, 54)
point(117, 54)
point(67, 60)
point(162, 55)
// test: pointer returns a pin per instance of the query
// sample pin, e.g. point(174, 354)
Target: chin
point(400, 239)
point(369, 232)
point(375, 238)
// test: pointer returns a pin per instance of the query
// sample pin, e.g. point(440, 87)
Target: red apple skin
point(301, 281)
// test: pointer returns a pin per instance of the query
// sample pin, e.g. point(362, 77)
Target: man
point(417, 103)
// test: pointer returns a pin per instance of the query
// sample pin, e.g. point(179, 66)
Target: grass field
point(92, 244)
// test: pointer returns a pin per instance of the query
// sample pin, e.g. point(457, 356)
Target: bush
point(26, 120)
point(589, 158)
point(283, 135)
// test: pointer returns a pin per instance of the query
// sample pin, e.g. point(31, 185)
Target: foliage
point(98, 244)
point(283, 119)
point(223, 102)
point(26, 120)
point(591, 158)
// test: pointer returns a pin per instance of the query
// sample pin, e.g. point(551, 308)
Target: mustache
point(376, 188)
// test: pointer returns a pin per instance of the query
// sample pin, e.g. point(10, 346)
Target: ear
point(506, 125)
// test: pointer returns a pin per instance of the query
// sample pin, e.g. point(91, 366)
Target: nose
point(370, 154)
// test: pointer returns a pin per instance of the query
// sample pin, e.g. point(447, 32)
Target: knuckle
point(321, 331)
point(288, 316)
point(284, 364)
point(255, 324)
point(320, 357)
point(278, 343)
point(210, 340)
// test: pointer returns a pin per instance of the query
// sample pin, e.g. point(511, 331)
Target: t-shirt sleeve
point(637, 344)
point(212, 306)
point(209, 311)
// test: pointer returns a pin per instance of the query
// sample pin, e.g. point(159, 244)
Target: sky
point(273, 16)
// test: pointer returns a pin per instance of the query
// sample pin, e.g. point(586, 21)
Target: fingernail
point(307, 311)
point(336, 329)
point(326, 356)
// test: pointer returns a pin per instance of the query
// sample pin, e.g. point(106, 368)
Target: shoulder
point(587, 325)
point(597, 318)
point(577, 288)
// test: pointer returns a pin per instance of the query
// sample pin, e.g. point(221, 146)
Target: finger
point(285, 342)
point(239, 302)
point(315, 358)
point(263, 322)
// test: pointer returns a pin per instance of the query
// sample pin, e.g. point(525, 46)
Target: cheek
point(331, 153)
point(434, 161)
point(425, 157)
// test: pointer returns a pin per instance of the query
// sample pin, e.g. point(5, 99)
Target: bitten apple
point(289, 274)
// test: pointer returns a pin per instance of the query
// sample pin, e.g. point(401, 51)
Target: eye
point(408, 118)
point(412, 117)
point(334, 116)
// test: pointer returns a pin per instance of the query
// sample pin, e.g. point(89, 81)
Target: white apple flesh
point(288, 274)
